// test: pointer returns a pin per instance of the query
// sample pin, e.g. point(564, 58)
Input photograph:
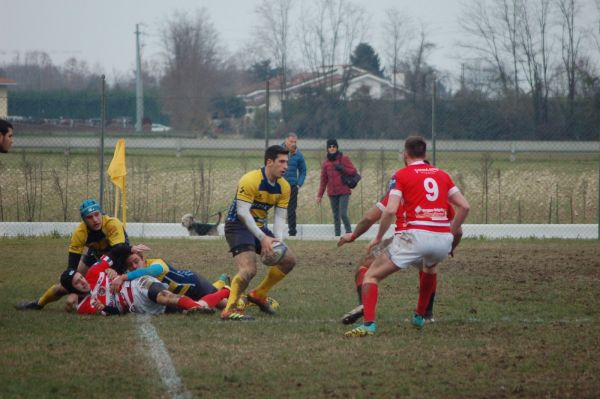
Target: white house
point(356, 81)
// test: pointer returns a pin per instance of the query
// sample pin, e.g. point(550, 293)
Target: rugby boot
point(235, 315)
point(417, 321)
point(262, 303)
point(352, 316)
point(225, 279)
point(361, 331)
point(200, 310)
point(29, 305)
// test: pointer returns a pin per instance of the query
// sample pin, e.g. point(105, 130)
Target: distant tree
point(419, 74)
point(398, 31)
point(329, 30)
point(571, 41)
point(36, 71)
point(365, 57)
point(273, 33)
point(262, 71)
point(229, 107)
point(190, 81)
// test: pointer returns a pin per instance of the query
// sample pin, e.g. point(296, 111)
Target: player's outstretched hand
point(71, 303)
point(111, 273)
point(267, 246)
point(374, 242)
point(115, 284)
point(139, 249)
point(99, 306)
point(344, 239)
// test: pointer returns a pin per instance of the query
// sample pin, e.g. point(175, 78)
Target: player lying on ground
point(371, 217)
point(247, 233)
point(178, 281)
point(144, 295)
point(99, 234)
point(425, 192)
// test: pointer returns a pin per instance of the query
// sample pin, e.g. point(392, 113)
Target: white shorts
point(141, 303)
point(415, 247)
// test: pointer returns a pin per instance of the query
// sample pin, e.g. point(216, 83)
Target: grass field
point(531, 188)
point(514, 319)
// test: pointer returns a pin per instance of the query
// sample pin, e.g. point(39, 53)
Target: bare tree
point(397, 34)
point(571, 40)
point(533, 36)
point(329, 31)
point(596, 29)
point(485, 39)
point(509, 11)
point(273, 33)
point(418, 73)
point(190, 46)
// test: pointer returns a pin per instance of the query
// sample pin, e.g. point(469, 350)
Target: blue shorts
point(240, 239)
point(197, 285)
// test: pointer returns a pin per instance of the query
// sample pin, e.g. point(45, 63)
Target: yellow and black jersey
point(179, 281)
point(182, 282)
point(112, 233)
point(255, 188)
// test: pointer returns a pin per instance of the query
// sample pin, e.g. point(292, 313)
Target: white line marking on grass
point(503, 320)
point(162, 360)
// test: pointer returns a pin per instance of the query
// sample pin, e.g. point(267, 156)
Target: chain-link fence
point(44, 179)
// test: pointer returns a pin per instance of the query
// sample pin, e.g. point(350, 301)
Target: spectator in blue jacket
point(295, 175)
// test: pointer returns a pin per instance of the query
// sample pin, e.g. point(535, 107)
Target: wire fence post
point(102, 126)
point(267, 116)
point(433, 121)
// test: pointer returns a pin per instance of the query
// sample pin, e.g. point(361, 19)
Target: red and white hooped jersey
point(424, 190)
point(100, 291)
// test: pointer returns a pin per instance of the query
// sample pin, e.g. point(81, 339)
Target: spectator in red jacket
point(332, 169)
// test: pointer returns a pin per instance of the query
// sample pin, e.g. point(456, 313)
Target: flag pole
point(124, 210)
point(117, 202)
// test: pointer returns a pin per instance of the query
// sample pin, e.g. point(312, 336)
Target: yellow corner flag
point(117, 172)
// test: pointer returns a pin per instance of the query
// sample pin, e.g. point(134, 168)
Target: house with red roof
point(348, 80)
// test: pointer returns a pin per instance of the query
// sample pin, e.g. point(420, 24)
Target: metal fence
point(515, 183)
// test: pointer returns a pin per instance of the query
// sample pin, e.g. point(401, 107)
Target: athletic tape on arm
point(279, 222)
point(243, 212)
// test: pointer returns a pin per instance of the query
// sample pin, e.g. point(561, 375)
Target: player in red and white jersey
point(370, 218)
point(425, 193)
point(144, 295)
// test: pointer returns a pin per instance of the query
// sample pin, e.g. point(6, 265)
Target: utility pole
point(102, 125)
point(267, 100)
point(139, 90)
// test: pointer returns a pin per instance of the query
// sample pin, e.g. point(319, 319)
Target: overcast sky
point(101, 32)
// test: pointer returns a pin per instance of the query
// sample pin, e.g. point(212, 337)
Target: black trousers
point(291, 212)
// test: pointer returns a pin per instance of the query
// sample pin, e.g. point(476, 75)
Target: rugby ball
point(279, 250)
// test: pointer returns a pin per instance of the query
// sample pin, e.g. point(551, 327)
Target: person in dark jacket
point(295, 175)
point(332, 169)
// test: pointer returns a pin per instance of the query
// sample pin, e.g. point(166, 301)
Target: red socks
point(186, 303)
point(369, 300)
point(427, 285)
point(360, 276)
point(213, 299)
